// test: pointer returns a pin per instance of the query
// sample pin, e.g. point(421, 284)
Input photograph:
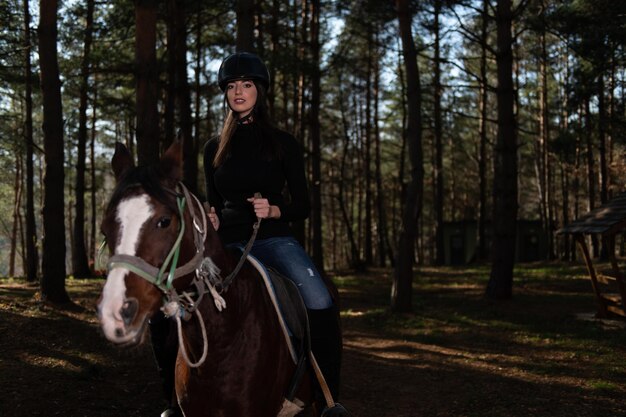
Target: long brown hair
point(271, 149)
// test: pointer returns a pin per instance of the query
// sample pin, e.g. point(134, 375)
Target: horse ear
point(122, 160)
point(172, 162)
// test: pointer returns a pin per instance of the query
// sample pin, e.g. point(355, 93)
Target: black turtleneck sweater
point(246, 171)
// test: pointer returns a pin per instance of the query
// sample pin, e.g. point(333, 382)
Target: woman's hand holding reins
point(263, 209)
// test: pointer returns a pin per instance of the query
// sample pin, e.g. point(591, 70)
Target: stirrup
point(336, 410)
point(171, 412)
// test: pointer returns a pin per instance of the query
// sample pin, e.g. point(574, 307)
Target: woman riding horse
point(249, 156)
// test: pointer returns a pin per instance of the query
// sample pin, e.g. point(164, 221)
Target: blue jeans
point(288, 257)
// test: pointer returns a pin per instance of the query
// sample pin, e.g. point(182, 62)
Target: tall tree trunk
point(482, 129)
point(245, 26)
point(198, 70)
point(80, 264)
point(500, 285)
point(401, 290)
point(367, 157)
point(299, 126)
point(169, 106)
point(602, 148)
point(354, 259)
point(53, 266)
point(314, 134)
point(438, 166)
point(93, 248)
point(146, 71)
point(384, 249)
point(17, 202)
point(32, 256)
point(591, 174)
point(542, 160)
point(274, 50)
point(183, 99)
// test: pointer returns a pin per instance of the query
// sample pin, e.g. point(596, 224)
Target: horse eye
point(164, 222)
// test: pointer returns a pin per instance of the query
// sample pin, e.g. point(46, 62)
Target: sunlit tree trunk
point(53, 265)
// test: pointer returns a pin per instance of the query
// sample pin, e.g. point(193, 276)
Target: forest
point(417, 118)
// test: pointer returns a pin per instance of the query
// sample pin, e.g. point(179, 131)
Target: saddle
point(290, 309)
point(292, 316)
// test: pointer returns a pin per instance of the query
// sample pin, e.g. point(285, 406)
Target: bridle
point(158, 276)
point(206, 273)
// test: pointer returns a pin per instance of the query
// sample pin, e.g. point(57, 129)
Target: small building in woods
point(606, 223)
point(460, 240)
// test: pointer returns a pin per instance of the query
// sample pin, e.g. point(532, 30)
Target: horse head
point(143, 225)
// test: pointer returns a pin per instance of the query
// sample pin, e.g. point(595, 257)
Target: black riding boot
point(165, 349)
point(326, 344)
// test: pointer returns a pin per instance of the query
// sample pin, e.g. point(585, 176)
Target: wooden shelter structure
point(607, 221)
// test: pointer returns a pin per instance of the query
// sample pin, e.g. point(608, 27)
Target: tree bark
point(438, 166)
point(80, 264)
point(500, 285)
point(602, 148)
point(17, 202)
point(401, 290)
point(93, 248)
point(315, 139)
point(53, 265)
point(367, 154)
point(183, 98)
point(482, 147)
point(245, 26)
point(146, 71)
point(384, 248)
point(32, 256)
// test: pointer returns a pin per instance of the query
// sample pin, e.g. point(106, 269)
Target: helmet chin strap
point(246, 119)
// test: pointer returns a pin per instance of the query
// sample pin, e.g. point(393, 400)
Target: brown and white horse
point(231, 363)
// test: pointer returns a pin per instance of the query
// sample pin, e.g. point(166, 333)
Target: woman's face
point(241, 95)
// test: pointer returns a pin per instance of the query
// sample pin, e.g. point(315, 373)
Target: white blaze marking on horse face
point(131, 216)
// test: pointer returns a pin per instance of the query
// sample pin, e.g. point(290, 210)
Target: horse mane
point(150, 179)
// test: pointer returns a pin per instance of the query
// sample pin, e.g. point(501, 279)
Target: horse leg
point(165, 349)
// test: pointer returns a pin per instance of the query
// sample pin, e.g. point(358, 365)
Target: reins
point(225, 283)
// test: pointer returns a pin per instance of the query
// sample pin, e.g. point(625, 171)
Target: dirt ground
point(456, 355)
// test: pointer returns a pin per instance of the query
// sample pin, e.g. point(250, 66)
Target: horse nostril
point(119, 333)
point(129, 310)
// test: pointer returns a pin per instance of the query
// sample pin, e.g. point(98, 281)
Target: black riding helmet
point(242, 66)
